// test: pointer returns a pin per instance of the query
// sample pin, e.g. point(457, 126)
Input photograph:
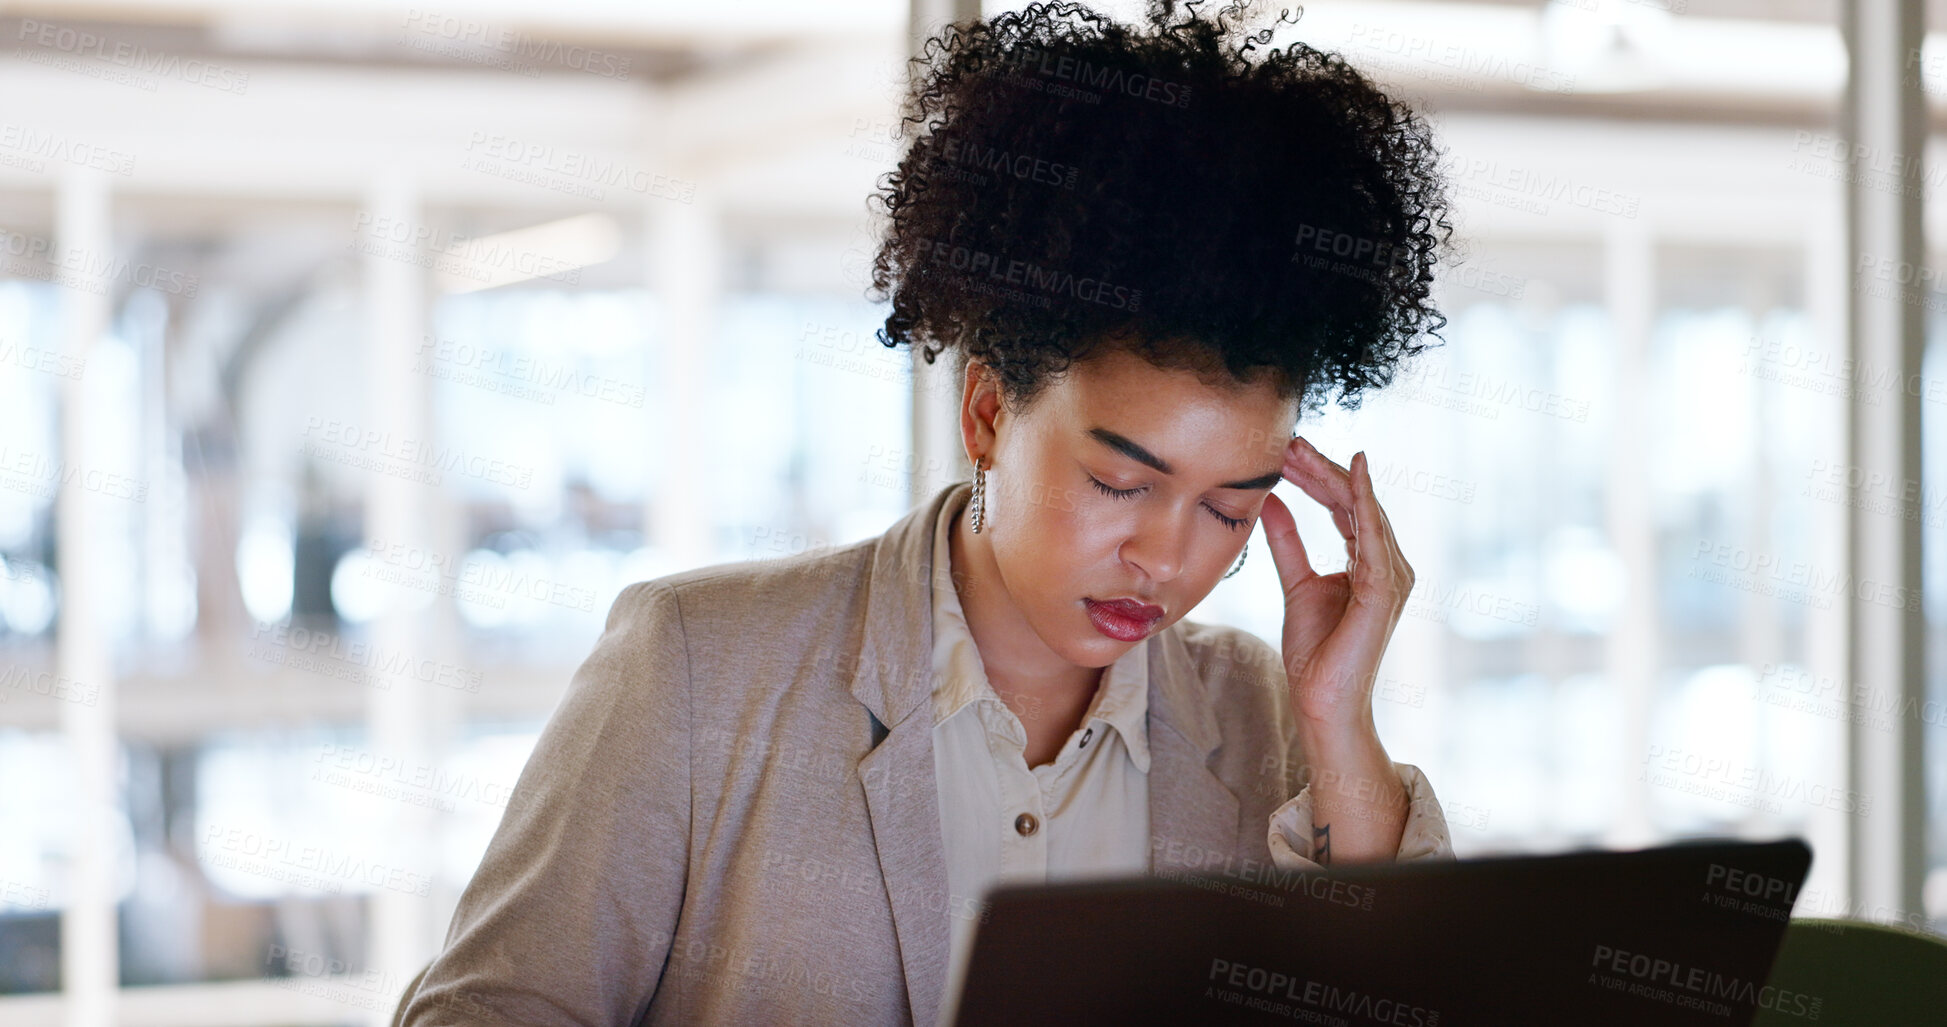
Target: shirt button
point(1086, 735)
point(1026, 824)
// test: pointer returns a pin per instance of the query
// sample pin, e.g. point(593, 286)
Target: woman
point(778, 792)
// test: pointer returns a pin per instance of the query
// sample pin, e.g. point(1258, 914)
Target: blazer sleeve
point(1425, 836)
point(569, 917)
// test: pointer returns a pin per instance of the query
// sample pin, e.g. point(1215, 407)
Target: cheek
point(1050, 521)
point(1040, 509)
point(1051, 539)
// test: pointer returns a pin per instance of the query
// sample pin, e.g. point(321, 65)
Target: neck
point(1014, 657)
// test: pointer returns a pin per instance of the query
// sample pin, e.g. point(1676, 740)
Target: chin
point(1076, 640)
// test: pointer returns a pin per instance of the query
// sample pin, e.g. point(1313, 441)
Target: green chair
point(1852, 973)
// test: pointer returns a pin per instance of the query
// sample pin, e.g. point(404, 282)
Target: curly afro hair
point(1073, 183)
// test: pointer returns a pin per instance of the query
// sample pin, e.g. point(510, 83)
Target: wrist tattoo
point(1322, 845)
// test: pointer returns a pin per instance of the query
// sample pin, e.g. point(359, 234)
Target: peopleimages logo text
point(1013, 271)
point(521, 45)
point(77, 43)
point(1114, 80)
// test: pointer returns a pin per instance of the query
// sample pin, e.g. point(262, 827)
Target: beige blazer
point(732, 816)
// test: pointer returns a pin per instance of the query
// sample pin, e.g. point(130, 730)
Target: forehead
point(1185, 420)
point(1122, 391)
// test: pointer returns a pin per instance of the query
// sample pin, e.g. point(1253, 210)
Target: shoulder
point(721, 641)
point(718, 606)
point(1229, 659)
point(1241, 681)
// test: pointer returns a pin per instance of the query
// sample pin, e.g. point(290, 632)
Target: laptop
point(1677, 935)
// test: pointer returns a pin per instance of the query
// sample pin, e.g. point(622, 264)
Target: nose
point(1158, 545)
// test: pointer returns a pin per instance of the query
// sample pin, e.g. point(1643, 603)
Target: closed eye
point(1233, 523)
point(1116, 493)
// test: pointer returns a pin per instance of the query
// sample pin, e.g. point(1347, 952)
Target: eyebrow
point(1129, 448)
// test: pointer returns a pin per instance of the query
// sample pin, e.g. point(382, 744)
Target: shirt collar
point(959, 679)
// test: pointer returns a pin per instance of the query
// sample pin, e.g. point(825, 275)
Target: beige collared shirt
point(1085, 814)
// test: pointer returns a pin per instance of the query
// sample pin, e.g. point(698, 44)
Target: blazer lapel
point(894, 683)
point(1192, 813)
point(901, 796)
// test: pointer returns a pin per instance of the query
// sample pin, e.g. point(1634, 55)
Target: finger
point(1349, 523)
point(1386, 532)
point(1386, 529)
point(1377, 575)
point(1287, 549)
point(1323, 480)
point(1351, 529)
point(1402, 570)
point(1361, 634)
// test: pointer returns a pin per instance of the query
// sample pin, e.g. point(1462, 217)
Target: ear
point(980, 408)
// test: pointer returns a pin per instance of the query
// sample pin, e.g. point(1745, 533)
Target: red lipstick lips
point(1124, 620)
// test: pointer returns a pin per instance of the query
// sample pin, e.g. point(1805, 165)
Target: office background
point(355, 354)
